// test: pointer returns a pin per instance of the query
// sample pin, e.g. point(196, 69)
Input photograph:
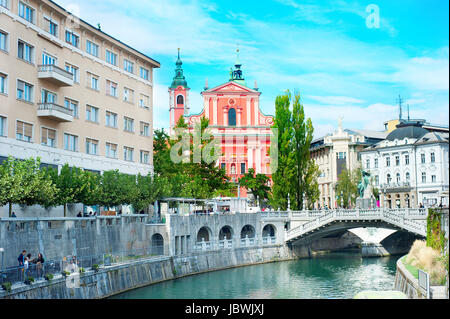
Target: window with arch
point(397, 177)
point(232, 117)
point(388, 178)
point(180, 99)
point(407, 177)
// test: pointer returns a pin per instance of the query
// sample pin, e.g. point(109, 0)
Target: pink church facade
point(235, 119)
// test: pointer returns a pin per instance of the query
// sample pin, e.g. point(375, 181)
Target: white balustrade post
point(203, 244)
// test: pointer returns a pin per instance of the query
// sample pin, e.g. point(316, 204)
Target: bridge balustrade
point(269, 240)
point(225, 244)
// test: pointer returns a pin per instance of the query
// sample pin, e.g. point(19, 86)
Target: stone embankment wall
point(116, 279)
point(57, 238)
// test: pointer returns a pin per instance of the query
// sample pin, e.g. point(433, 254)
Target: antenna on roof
point(400, 101)
point(408, 112)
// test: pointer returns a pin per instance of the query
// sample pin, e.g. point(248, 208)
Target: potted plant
point(95, 267)
point(48, 277)
point(81, 270)
point(7, 286)
point(65, 273)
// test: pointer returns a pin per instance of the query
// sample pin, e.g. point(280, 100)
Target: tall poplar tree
point(297, 174)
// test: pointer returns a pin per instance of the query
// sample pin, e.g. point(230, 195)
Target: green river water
point(327, 276)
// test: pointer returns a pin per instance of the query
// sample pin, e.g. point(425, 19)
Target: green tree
point(296, 174)
point(347, 187)
point(23, 182)
point(257, 184)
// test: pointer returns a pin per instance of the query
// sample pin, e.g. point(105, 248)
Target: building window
point(375, 163)
point(128, 66)
point(24, 91)
point(48, 97)
point(377, 180)
point(72, 38)
point(70, 142)
point(93, 81)
point(4, 3)
point(145, 129)
point(128, 153)
point(341, 155)
point(91, 146)
point(422, 158)
point(433, 178)
point(51, 27)
point(397, 160)
point(111, 57)
point(388, 179)
point(26, 12)
point(3, 83)
point(111, 150)
point(398, 177)
point(75, 71)
point(91, 113)
point(25, 51)
point(433, 157)
point(223, 166)
point(144, 73)
point(407, 177)
point(388, 161)
point(92, 48)
point(47, 59)
point(232, 117)
point(145, 157)
point(128, 124)
point(2, 126)
point(48, 137)
point(24, 131)
point(111, 119)
point(128, 95)
point(368, 163)
point(111, 88)
point(424, 177)
point(242, 168)
point(3, 41)
point(72, 105)
point(406, 159)
point(144, 101)
point(180, 100)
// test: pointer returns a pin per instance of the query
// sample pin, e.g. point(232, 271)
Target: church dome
point(407, 131)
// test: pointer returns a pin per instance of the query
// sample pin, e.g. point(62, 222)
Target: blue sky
point(322, 49)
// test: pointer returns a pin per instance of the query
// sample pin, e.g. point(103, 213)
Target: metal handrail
point(53, 106)
point(56, 69)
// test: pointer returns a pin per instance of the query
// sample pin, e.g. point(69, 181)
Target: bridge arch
point(226, 232)
point(204, 233)
point(269, 230)
point(157, 244)
point(248, 230)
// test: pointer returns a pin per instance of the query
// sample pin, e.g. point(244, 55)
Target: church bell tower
point(178, 95)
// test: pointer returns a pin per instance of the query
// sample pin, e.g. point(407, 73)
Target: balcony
point(396, 187)
point(55, 75)
point(55, 112)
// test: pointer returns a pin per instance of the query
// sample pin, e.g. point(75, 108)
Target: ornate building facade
point(235, 119)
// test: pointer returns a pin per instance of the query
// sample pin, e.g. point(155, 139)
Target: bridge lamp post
point(342, 199)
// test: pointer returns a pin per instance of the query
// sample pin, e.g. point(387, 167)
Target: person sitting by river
point(79, 214)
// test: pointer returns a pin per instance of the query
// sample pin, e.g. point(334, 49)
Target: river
point(325, 276)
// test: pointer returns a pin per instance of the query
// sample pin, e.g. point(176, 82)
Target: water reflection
point(336, 275)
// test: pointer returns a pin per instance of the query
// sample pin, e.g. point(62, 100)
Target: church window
point(180, 99)
point(232, 117)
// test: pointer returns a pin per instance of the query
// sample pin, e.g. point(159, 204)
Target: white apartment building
point(336, 152)
point(410, 167)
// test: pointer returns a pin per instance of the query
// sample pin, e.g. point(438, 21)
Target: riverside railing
point(73, 264)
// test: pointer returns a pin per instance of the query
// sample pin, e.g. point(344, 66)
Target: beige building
point(70, 93)
point(337, 152)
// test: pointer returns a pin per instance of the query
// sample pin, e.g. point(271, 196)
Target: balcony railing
point(396, 185)
point(55, 74)
point(55, 111)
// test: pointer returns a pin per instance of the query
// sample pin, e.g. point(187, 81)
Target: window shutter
point(28, 130)
point(19, 127)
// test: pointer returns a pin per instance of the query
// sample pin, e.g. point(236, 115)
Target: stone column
point(206, 106)
point(250, 156)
